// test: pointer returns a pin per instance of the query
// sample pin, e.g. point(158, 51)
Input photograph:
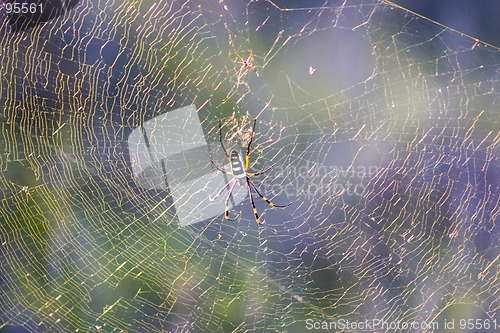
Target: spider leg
point(221, 143)
point(230, 183)
point(263, 197)
point(261, 172)
point(241, 59)
point(239, 78)
point(215, 165)
point(226, 211)
point(252, 67)
point(247, 155)
point(257, 219)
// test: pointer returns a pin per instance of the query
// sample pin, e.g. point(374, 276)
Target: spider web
point(382, 126)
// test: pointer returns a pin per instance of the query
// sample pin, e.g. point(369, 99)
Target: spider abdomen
point(237, 165)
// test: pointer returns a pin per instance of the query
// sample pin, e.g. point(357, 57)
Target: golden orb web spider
point(239, 171)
